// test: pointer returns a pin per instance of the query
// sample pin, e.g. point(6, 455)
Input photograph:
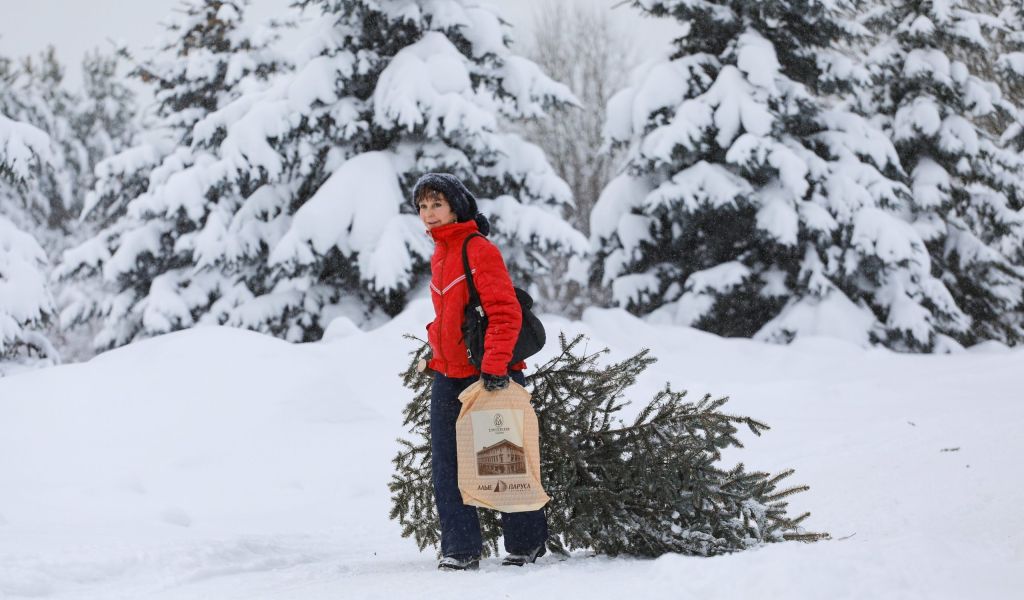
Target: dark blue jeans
point(460, 525)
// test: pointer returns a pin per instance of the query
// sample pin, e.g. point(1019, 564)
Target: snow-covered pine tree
point(967, 190)
point(33, 92)
point(326, 159)
point(754, 204)
point(25, 302)
point(23, 149)
point(644, 488)
point(104, 118)
point(156, 197)
point(1011, 64)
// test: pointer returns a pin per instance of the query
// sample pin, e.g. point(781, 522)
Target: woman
point(449, 212)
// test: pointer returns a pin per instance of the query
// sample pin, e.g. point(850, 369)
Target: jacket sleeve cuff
point(489, 370)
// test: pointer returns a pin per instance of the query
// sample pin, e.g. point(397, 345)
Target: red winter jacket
point(450, 294)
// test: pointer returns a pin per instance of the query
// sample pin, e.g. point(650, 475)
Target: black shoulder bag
point(474, 321)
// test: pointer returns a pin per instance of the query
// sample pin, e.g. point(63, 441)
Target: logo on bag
point(501, 486)
point(499, 426)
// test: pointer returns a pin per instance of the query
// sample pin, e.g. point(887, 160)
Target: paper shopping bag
point(498, 443)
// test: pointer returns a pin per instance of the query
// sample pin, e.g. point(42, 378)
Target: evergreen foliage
point(83, 127)
point(645, 488)
point(752, 204)
point(154, 200)
point(967, 189)
point(33, 92)
point(1011, 65)
point(105, 115)
point(276, 199)
point(25, 303)
point(326, 158)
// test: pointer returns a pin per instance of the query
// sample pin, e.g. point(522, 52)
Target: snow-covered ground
point(219, 463)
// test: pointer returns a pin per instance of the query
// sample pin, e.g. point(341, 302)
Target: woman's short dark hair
point(425, 192)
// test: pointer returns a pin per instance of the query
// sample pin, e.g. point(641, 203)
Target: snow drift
point(222, 463)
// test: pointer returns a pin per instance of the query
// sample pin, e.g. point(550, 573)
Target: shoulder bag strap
point(474, 297)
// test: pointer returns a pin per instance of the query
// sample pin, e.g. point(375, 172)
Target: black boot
point(518, 560)
point(454, 563)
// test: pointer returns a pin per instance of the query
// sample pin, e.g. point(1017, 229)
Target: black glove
point(493, 383)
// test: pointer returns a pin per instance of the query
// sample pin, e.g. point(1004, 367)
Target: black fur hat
point(459, 198)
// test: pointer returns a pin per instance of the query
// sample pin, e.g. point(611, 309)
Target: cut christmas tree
point(644, 488)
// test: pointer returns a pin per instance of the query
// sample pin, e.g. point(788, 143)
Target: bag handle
point(474, 297)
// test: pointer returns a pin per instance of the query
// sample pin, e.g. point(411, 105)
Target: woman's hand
point(493, 383)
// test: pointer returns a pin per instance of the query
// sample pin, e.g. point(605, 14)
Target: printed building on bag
point(503, 458)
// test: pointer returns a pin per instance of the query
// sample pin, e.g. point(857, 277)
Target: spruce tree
point(103, 121)
point(1011, 64)
point(25, 303)
point(754, 204)
point(326, 159)
point(647, 487)
point(156, 198)
point(24, 149)
point(105, 115)
point(967, 189)
point(33, 92)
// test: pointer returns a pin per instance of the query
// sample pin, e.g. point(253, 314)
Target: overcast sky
point(75, 26)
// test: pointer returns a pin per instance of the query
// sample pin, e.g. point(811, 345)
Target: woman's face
point(435, 210)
